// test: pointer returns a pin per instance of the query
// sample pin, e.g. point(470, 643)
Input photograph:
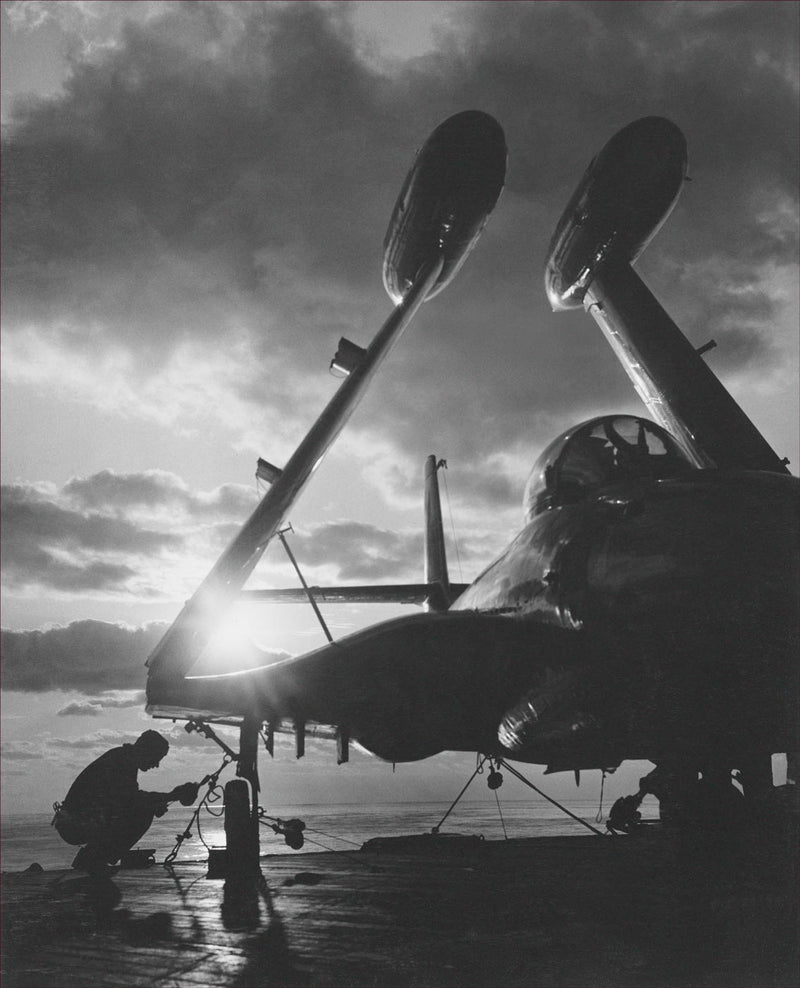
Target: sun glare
point(236, 646)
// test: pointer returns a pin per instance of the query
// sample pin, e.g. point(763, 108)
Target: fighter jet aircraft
point(648, 607)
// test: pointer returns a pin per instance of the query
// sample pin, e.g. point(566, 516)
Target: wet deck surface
point(650, 910)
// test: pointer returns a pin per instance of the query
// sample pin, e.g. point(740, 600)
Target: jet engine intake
point(544, 710)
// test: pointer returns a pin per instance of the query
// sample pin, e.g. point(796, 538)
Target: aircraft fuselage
point(682, 588)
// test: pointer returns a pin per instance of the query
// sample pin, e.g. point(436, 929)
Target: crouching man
point(107, 812)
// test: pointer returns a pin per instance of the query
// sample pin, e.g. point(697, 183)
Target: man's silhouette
point(625, 817)
point(105, 809)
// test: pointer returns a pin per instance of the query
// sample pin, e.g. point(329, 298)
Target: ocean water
point(29, 838)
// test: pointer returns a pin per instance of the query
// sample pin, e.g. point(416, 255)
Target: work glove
point(187, 793)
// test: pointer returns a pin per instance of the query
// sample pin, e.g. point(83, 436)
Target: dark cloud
point(108, 489)
point(94, 658)
point(99, 739)
point(122, 492)
point(96, 706)
point(103, 532)
point(80, 708)
point(725, 74)
point(40, 568)
point(86, 656)
point(99, 533)
point(488, 488)
point(48, 544)
point(162, 163)
point(199, 180)
point(361, 552)
point(21, 751)
point(188, 136)
point(26, 510)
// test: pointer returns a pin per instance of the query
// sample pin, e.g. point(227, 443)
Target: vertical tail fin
point(435, 558)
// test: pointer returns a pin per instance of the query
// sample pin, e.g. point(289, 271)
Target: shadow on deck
point(654, 909)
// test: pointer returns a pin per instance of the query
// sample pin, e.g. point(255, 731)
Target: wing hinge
point(348, 356)
point(267, 471)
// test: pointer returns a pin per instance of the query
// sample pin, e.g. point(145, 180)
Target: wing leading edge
point(375, 593)
point(405, 689)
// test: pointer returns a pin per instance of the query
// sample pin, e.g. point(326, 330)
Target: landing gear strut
point(705, 794)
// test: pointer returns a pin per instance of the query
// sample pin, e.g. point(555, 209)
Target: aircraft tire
point(242, 849)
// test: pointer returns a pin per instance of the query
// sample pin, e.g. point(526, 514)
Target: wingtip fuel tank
point(445, 201)
point(622, 200)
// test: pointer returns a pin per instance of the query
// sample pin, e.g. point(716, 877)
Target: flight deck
point(651, 909)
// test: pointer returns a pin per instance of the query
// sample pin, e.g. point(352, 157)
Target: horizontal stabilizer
point(390, 593)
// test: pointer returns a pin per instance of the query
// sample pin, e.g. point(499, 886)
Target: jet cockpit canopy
point(611, 449)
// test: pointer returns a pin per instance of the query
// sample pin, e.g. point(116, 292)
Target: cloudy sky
point(195, 196)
